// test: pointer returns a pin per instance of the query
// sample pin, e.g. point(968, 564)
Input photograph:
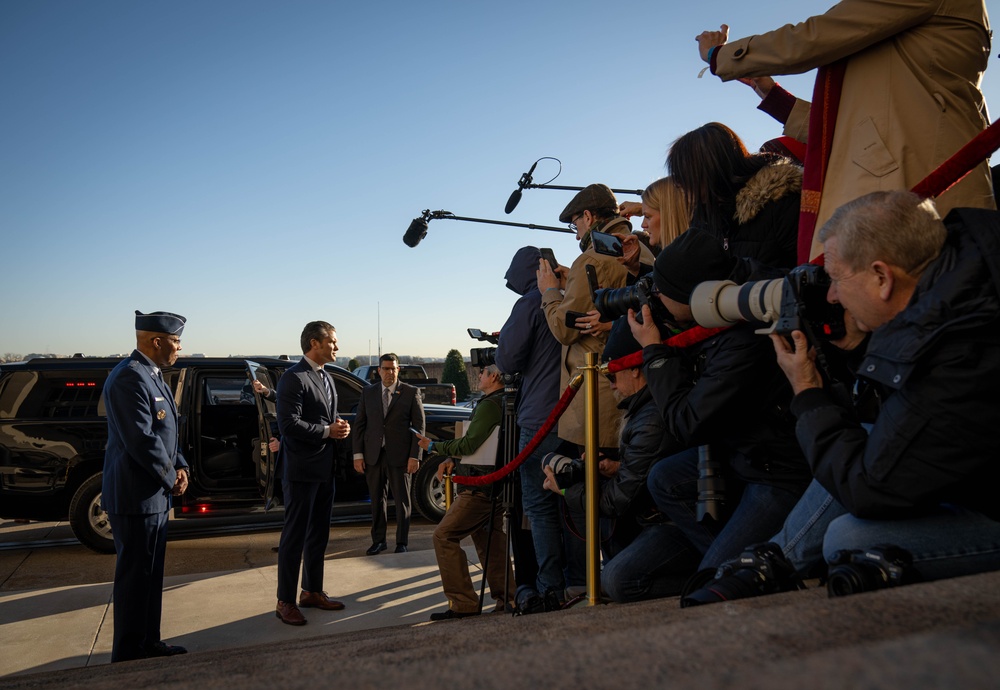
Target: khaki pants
point(469, 515)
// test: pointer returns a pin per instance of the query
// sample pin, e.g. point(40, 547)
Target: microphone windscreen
point(416, 232)
point(512, 202)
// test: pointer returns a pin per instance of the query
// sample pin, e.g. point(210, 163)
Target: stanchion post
point(591, 411)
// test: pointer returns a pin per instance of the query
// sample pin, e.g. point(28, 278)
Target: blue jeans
point(801, 536)
point(951, 542)
point(542, 508)
point(758, 509)
point(656, 564)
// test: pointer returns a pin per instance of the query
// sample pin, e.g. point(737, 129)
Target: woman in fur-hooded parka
point(750, 202)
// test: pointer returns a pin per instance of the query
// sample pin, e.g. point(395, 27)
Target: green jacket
point(486, 416)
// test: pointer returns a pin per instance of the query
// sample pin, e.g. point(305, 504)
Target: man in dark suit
point(386, 450)
point(143, 468)
point(310, 429)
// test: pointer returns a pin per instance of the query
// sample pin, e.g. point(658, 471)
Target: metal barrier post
point(591, 417)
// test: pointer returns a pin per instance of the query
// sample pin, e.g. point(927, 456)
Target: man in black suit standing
point(143, 468)
point(310, 429)
point(386, 449)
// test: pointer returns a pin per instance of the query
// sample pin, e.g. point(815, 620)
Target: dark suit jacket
point(405, 410)
point(142, 457)
point(304, 412)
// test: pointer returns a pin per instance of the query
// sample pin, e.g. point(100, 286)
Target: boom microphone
point(416, 232)
point(515, 196)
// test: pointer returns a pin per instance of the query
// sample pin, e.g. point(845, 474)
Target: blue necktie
point(326, 385)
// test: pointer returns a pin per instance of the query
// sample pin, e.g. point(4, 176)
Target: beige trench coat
point(911, 95)
point(576, 344)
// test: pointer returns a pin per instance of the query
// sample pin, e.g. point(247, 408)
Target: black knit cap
point(621, 342)
point(692, 258)
point(591, 198)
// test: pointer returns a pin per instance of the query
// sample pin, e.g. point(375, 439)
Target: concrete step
point(941, 634)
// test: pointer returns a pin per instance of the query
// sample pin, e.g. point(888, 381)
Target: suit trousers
point(470, 515)
point(381, 478)
point(140, 544)
point(304, 536)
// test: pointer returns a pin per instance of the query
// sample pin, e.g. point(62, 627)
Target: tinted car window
point(348, 393)
point(53, 394)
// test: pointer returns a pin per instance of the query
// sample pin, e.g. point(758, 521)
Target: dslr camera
point(796, 302)
point(615, 302)
point(883, 565)
point(761, 569)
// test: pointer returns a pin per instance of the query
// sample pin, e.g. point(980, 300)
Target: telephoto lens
point(711, 486)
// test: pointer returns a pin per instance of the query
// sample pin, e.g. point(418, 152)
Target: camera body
point(796, 302)
point(804, 306)
point(615, 302)
point(883, 565)
point(760, 569)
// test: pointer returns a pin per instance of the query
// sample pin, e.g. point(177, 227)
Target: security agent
point(923, 477)
point(143, 469)
point(725, 392)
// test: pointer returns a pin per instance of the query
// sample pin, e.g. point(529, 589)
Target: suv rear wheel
point(428, 492)
point(88, 519)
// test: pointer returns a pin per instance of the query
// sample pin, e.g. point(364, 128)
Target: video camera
point(796, 302)
point(483, 356)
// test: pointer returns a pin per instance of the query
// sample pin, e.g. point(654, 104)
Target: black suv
point(53, 432)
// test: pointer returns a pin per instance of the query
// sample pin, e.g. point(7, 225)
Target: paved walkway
point(67, 627)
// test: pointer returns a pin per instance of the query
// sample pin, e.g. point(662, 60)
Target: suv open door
point(267, 416)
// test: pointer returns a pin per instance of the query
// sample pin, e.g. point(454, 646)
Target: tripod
point(504, 489)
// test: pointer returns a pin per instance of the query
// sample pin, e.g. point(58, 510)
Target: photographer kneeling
point(473, 512)
point(644, 557)
point(923, 478)
point(725, 392)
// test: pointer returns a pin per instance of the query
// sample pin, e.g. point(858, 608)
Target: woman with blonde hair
point(665, 212)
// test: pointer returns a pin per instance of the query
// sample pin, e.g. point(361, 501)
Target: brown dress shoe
point(289, 613)
point(319, 600)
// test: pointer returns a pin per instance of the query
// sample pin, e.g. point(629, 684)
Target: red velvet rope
point(951, 172)
point(692, 336)
point(554, 416)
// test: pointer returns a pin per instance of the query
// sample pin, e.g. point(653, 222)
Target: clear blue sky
point(254, 164)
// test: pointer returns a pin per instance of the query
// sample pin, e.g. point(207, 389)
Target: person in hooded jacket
point(527, 346)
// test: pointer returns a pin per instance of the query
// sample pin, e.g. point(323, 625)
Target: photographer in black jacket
point(726, 392)
point(644, 557)
point(924, 476)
